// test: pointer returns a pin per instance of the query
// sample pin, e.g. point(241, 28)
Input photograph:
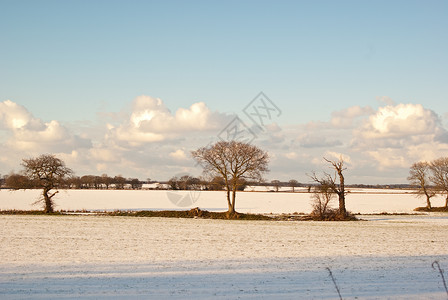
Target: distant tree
point(106, 180)
point(333, 185)
point(194, 183)
point(74, 182)
point(233, 161)
point(419, 175)
point(87, 182)
point(216, 184)
point(184, 182)
point(241, 185)
point(17, 181)
point(320, 201)
point(276, 184)
point(174, 183)
point(46, 172)
point(119, 182)
point(293, 183)
point(97, 182)
point(439, 171)
point(135, 184)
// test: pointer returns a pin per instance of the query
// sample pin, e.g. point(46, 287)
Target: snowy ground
point(358, 200)
point(92, 257)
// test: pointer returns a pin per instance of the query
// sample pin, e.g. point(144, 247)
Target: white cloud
point(150, 121)
point(345, 118)
point(178, 154)
point(14, 116)
point(27, 133)
point(390, 158)
point(397, 135)
point(400, 121)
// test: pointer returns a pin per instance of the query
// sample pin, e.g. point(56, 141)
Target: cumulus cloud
point(345, 118)
point(392, 134)
point(151, 121)
point(14, 116)
point(29, 133)
point(401, 121)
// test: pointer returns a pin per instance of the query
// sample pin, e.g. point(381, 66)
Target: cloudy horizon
point(147, 140)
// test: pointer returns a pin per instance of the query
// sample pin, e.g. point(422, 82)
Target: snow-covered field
point(358, 201)
point(97, 257)
point(93, 257)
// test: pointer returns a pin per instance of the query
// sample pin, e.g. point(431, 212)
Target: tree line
point(22, 181)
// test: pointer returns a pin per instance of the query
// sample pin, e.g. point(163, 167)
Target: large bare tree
point(439, 170)
point(235, 162)
point(419, 175)
point(46, 172)
point(331, 181)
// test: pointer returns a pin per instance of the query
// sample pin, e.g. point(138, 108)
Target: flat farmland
point(99, 257)
point(94, 257)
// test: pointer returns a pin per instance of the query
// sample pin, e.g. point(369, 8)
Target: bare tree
point(174, 183)
point(47, 172)
point(106, 180)
point(439, 170)
point(331, 181)
point(293, 183)
point(120, 182)
point(419, 175)
point(276, 184)
point(216, 184)
point(135, 183)
point(17, 182)
point(234, 162)
point(322, 196)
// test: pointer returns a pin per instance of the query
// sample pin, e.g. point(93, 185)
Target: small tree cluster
point(329, 185)
point(185, 182)
point(431, 178)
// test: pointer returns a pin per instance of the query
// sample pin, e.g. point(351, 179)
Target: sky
point(132, 87)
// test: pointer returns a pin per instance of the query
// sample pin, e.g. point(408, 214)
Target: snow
point(95, 257)
point(98, 257)
point(358, 201)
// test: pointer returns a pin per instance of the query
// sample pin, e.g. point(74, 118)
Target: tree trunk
point(446, 201)
point(48, 202)
point(233, 201)
point(342, 210)
point(428, 202)
point(341, 193)
point(229, 203)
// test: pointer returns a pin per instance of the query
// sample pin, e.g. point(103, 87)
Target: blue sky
point(83, 63)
